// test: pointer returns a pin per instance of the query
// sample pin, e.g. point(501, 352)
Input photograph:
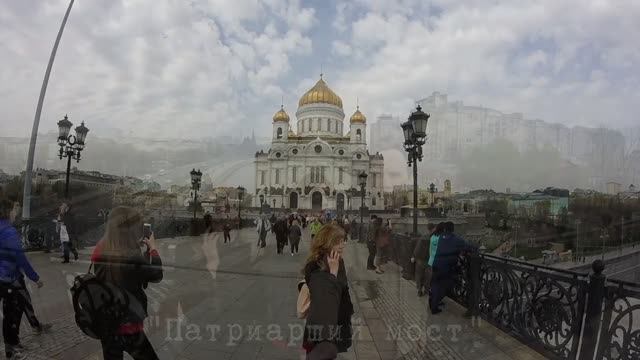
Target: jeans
point(294, 245)
point(372, 255)
point(67, 247)
point(136, 345)
point(12, 313)
point(25, 303)
point(227, 237)
point(441, 283)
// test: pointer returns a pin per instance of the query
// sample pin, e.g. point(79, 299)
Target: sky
point(205, 68)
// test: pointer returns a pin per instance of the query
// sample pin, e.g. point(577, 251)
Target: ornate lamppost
point(362, 181)
point(70, 145)
point(196, 178)
point(432, 190)
point(415, 135)
point(240, 197)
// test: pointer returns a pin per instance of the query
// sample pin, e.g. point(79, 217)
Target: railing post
point(473, 284)
point(593, 313)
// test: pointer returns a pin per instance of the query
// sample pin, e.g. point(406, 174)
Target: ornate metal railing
point(620, 337)
point(561, 314)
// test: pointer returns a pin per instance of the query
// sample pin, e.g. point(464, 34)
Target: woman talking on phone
point(328, 327)
point(127, 257)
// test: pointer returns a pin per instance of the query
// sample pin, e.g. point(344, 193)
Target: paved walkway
point(227, 301)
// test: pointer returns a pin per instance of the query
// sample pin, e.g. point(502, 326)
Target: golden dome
point(281, 115)
point(291, 133)
point(320, 93)
point(358, 117)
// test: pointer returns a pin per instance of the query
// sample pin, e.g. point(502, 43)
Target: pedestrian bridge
point(230, 301)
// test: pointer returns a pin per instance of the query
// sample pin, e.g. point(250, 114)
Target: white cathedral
point(317, 166)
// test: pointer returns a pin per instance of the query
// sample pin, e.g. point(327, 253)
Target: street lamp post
point(70, 145)
point(362, 181)
point(432, 190)
point(196, 178)
point(26, 197)
point(240, 196)
point(415, 135)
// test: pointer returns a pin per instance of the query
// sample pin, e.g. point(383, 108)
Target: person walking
point(448, 248)
point(347, 228)
point(263, 227)
point(119, 260)
point(382, 235)
point(420, 258)
point(372, 235)
point(328, 320)
point(282, 232)
point(314, 227)
point(295, 233)
point(226, 230)
point(67, 232)
point(13, 262)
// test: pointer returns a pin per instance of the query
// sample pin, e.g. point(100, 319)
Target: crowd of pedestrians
point(125, 260)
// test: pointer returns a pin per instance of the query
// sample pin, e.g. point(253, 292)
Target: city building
point(317, 165)
point(613, 188)
point(402, 195)
point(456, 129)
point(550, 201)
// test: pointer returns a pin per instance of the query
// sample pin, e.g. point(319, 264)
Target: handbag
point(304, 300)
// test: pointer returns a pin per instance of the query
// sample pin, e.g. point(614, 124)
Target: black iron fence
point(561, 314)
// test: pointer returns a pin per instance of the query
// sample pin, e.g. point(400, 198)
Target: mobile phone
point(146, 231)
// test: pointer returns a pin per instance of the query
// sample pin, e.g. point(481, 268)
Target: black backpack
point(100, 307)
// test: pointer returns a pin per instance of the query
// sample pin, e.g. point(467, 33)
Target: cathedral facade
point(316, 167)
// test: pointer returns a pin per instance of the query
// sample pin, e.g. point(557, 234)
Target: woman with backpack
point(328, 326)
point(128, 261)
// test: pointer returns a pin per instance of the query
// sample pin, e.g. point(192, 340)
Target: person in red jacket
point(130, 261)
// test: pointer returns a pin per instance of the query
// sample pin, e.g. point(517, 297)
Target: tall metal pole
point(415, 194)
point(66, 184)
point(362, 189)
point(26, 198)
point(239, 218)
point(621, 232)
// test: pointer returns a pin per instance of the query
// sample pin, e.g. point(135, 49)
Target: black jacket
point(132, 275)
point(329, 317)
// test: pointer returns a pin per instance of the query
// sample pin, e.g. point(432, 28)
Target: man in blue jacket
point(13, 263)
point(445, 265)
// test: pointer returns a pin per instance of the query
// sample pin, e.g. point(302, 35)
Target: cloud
point(537, 57)
point(159, 69)
point(202, 68)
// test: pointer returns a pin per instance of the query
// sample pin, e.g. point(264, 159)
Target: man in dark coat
point(445, 265)
point(282, 232)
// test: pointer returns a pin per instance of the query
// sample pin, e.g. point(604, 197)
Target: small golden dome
point(291, 133)
point(358, 117)
point(281, 115)
point(320, 93)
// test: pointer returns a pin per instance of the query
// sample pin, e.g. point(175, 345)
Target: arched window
point(373, 201)
point(358, 134)
point(279, 133)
